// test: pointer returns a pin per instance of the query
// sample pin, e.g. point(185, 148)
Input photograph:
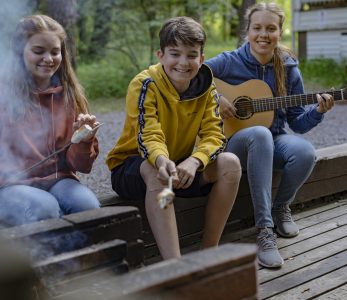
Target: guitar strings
point(263, 104)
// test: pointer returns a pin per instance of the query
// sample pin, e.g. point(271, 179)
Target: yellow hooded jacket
point(161, 122)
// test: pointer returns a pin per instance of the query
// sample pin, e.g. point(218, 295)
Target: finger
point(91, 119)
point(162, 174)
point(183, 180)
point(188, 183)
point(81, 118)
point(321, 100)
point(75, 126)
point(96, 124)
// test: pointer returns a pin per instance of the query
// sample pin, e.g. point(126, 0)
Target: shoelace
point(266, 240)
point(283, 213)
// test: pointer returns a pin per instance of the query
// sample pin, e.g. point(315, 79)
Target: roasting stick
point(79, 134)
point(166, 196)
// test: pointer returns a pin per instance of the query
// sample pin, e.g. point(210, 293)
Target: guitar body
point(242, 96)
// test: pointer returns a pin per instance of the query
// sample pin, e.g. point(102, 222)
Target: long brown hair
point(280, 51)
point(23, 85)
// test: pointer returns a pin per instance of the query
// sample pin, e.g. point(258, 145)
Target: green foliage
point(105, 78)
point(118, 38)
point(214, 47)
point(324, 73)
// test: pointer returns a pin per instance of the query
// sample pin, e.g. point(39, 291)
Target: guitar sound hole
point(244, 108)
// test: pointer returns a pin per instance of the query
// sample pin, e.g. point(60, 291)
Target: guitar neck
point(267, 104)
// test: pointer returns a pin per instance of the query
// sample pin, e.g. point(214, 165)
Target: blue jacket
point(238, 66)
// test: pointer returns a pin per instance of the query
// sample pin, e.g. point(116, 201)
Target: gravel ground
point(331, 131)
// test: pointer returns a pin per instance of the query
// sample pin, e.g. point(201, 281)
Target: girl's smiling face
point(263, 34)
point(42, 57)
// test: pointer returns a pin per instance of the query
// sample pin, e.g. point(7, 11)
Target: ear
point(202, 59)
point(159, 54)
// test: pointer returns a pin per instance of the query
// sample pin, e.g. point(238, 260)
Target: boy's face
point(181, 64)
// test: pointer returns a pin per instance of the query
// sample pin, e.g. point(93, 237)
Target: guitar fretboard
point(267, 104)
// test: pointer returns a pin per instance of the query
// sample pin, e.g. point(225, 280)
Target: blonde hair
point(280, 51)
point(23, 86)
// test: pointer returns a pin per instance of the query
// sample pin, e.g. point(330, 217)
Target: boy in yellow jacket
point(167, 107)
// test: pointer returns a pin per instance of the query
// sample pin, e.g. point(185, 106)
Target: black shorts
point(127, 182)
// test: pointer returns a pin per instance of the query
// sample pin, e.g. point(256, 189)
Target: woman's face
point(42, 57)
point(264, 33)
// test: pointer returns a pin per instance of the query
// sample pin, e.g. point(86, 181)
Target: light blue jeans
point(20, 204)
point(260, 152)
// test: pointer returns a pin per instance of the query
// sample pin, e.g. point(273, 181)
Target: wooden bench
point(329, 177)
point(227, 272)
point(106, 238)
point(83, 255)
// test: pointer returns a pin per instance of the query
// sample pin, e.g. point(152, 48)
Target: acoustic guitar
point(252, 110)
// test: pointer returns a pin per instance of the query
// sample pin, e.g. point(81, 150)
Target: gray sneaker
point(267, 253)
point(283, 221)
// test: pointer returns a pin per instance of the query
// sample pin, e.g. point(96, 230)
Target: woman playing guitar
point(261, 149)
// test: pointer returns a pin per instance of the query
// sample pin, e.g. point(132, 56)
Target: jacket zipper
point(53, 133)
point(263, 74)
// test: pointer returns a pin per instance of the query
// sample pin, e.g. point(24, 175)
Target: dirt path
point(332, 131)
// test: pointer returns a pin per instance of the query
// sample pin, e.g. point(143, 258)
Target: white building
point(321, 28)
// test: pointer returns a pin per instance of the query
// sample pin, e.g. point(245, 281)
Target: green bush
point(109, 78)
point(325, 73)
point(103, 79)
point(213, 48)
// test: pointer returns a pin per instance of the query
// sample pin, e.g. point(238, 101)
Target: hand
point(86, 119)
point(186, 171)
point(325, 103)
point(227, 109)
point(166, 168)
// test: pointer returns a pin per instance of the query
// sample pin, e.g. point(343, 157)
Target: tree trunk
point(65, 12)
point(241, 30)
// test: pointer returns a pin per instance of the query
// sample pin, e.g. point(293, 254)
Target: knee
point(48, 209)
point(149, 176)
point(80, 200)
point(306, 156)
point(27, 204)
point(86, 202)
point(229, 167)
point(261, 133)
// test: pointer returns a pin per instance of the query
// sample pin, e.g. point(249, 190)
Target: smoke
point(10, 13)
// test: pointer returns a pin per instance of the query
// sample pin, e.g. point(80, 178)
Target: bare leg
point(162, 221)
point(225, 173)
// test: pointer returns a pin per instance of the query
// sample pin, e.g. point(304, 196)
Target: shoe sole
point(286, 235)
point(270, 267)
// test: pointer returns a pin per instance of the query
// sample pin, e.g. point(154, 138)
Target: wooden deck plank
point(306, 233)
point(315, 260)
point(337, 294)
point(317, 288)
point(304, 259)
point(248, 235)
point(302, 276)
point(317, 253)
point(317, 229)
point(309, 211)
point(323, 216)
